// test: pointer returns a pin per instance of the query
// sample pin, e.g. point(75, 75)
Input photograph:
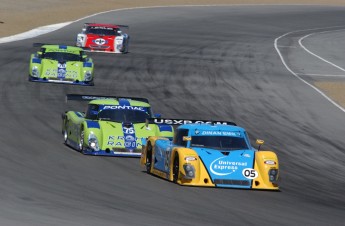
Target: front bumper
point(111, 153)
point(81, 83)
point(101, 50)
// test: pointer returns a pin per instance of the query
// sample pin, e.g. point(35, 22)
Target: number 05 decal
point(250, 173)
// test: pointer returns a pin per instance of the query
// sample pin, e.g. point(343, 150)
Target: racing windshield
point(219, 142)
point(123, 115)
point(62, 56)
point(106, 31)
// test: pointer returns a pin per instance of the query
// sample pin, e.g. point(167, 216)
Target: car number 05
point(250, 173)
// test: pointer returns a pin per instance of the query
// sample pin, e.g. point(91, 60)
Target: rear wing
point(175, 122)
point(39, 44)
point(122, 26)
point(118, 25)
point(81, 97)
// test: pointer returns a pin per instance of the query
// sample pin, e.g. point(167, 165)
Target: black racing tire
point(126, 47)
point(81, 140)
point(65, 131)
point(176, 168)
point(148, 158)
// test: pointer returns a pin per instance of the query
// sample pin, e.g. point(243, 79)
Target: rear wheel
point(148, 158)
point(176, 168)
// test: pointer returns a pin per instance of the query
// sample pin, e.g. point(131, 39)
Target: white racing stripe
point(294, 73)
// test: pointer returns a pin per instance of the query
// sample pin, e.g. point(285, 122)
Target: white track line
point(315, 55)
point(295, 74)
point(49, 28)
point(46, 29)
point(319, 75)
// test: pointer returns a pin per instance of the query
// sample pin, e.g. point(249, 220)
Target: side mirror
point(186, 138)
point(259, 142)
point(143, 141)
point(157, 115)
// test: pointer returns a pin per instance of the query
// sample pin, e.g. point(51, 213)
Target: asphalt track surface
point(191, 62)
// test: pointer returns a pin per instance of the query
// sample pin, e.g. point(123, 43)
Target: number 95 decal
point(250, 173)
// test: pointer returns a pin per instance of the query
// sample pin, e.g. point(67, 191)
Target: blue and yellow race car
point(210, 154)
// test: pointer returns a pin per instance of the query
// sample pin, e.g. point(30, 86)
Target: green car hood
point(52, 69)
point(116, 136)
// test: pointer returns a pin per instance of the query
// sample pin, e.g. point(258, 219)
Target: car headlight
point(273, 175)
point(93, 142)
point(35, 72)
point(189, 171)
point(88, 76)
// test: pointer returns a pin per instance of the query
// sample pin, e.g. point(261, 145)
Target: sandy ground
point(335, 90)
point(17, 16)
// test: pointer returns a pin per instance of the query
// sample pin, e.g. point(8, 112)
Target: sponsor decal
point(183, 121)
point(94, 97)
point(100, 41)
point(61, 71)
point(67, 73)
point(115, 107)
point(129, 140)
point(221, 133)
point(102, 27)
point(247, 155)
point(120, 140)
point(167, 156)
point(224, 167)
point(250, 173)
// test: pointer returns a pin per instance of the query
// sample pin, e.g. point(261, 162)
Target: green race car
point(111, 126)
point(61, 64)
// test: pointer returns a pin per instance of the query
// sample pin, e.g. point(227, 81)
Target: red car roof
point(102, 25)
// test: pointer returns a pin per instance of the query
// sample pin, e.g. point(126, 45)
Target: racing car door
point(162, 155)
point(163, 150)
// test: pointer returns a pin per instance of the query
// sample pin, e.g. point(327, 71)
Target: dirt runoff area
point(17, 16)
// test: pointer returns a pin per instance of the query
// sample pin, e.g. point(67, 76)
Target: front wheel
point(81, 141)
point(148, 158)
point(65, 132)
point(176, 168)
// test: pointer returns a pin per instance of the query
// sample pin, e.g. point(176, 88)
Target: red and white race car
point(103, 38)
